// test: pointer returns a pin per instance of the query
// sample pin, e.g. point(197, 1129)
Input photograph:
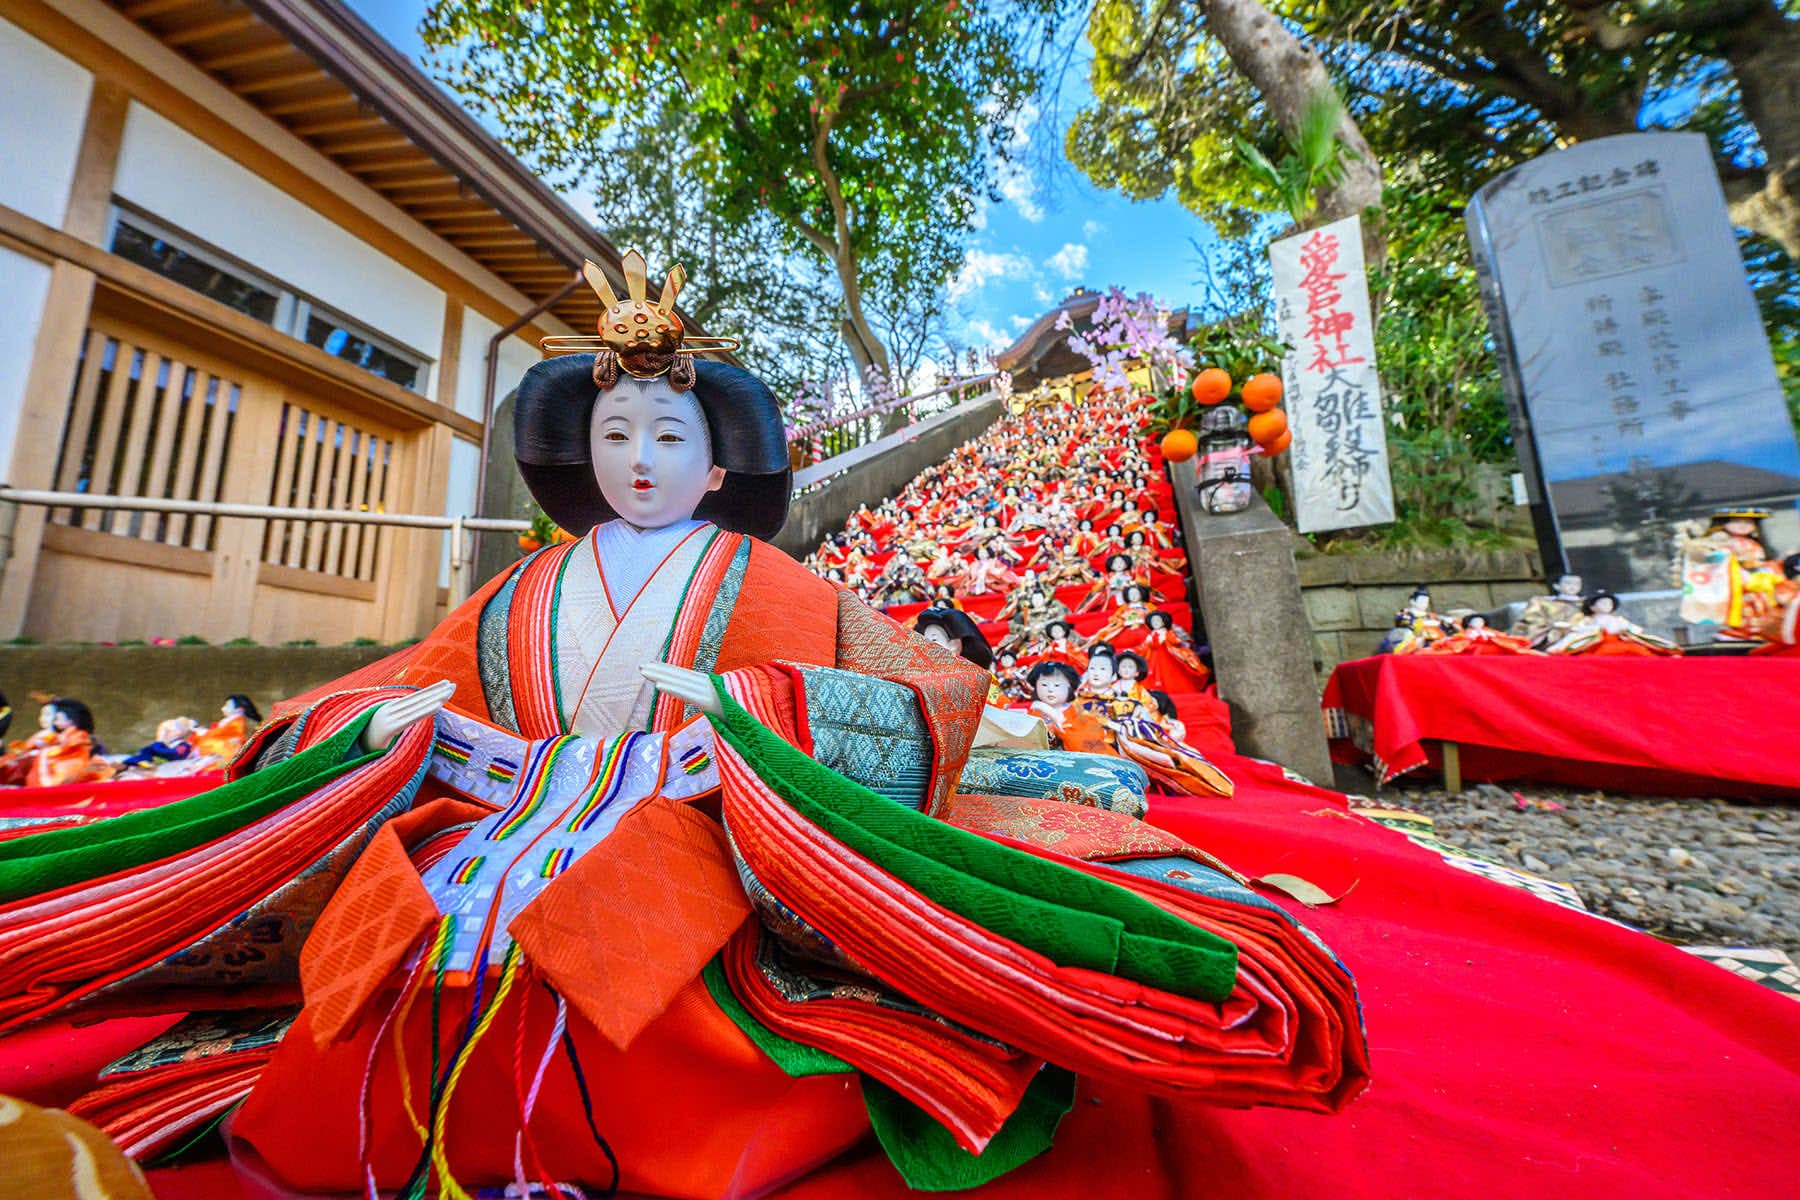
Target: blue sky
point(1054, 230)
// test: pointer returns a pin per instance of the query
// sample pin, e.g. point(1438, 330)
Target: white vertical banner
point(1339, 455)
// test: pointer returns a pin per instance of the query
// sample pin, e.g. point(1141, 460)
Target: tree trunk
point(1288, 73)
point(1762, 53)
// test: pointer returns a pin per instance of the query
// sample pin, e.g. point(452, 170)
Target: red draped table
point(1680, 726)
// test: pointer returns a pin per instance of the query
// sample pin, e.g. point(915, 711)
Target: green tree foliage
point(861, 135)
point(1450, 93)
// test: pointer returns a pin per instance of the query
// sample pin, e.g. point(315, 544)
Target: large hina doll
point(662, 879)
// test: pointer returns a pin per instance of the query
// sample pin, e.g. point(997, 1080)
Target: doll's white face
point(935, 633)
point(1740, 528)
point(59, 720)
point(651, 451)
point(1052, 688)
point(47, 717)
point(1100, 671)
point(1128, 670)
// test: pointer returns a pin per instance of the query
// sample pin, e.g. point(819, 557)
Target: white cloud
point(982, 334)
point(1070, 261)
point(1013, 177)
point(982, 267)
point(1042, 294)
point(1020, 322)
point(1092, 229)
point(1020, 190)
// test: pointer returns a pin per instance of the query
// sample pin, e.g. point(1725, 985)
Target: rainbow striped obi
point(557, 798)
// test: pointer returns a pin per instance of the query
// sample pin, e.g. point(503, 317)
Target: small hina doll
point(1425, 626)
point(1477, 639)
point(1110, 591)
point(174, 747)
point(987, 574)
point(1128, 625)
point(62, 751)
point(1060, 644)
point(237, 721)
point(1603, 630)
point(1174, 666)
point(1132, 680)
point(1547, 618)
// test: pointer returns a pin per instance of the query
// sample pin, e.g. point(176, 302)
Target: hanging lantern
point(1224, 466)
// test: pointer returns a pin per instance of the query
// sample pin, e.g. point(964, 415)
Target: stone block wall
point(1351, 599)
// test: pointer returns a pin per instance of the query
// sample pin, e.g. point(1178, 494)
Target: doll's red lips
point(641, 485)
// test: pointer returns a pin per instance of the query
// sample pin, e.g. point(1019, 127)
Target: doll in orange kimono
point(62, 751)
point(672, 890)
point(1174, 667)
point(1603, 630)
point(226, 736)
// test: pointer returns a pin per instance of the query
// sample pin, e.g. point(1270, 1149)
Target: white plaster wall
point(43, 105)
point(174, 176)
point(24, 282)
point(459, 498)
point(517, 355)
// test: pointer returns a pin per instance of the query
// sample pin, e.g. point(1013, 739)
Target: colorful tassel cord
point(509, 971)
point(587, 1103)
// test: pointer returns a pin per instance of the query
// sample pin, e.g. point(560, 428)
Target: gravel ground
point(1700, 871)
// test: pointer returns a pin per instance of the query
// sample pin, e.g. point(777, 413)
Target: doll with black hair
point(955, 631)
point(238, 719)
point(1174, 663)
point(1059, 643)
point(1603, 630)
point(687, 801)
point(62, 751)
point(1126, 628)
point(1121, 573)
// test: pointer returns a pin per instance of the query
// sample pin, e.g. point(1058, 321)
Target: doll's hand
point(392, 719)
point(692, 686)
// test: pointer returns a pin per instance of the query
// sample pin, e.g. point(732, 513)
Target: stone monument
point(1635, 362)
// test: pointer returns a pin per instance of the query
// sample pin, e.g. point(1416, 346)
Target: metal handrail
point(876, 410)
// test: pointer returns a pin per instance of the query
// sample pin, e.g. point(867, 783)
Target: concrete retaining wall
point(132, 688)
point(1351, 599)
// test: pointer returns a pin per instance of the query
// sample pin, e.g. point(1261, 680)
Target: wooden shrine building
point(250, 254)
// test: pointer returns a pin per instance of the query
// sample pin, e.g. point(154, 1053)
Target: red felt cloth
point(1681, 726)
point(1519, 1049)
point(91, 801)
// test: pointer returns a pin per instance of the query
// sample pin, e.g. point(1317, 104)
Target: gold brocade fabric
point(951, 691)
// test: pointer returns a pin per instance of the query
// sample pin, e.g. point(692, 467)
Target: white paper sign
point(1340, 457)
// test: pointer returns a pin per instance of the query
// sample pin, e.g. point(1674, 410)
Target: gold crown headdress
point(644, 340)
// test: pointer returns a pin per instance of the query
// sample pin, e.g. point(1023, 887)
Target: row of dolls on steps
point(1108, 706)
point(65, 751)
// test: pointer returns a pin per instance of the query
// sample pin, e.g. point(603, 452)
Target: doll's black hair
point(552, 430)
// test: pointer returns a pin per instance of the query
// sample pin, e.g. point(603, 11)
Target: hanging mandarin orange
point(1262, 392)
point(1212, 385)
point(1179, 445)
point(1265, 427)
point(1279, 444)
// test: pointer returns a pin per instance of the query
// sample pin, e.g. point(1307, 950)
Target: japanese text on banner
point(1340, 458)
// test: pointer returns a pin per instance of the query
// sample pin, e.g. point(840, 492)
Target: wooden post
point(409, 582)
point(1453, 780)
point(449, 363)
point(44, 409)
